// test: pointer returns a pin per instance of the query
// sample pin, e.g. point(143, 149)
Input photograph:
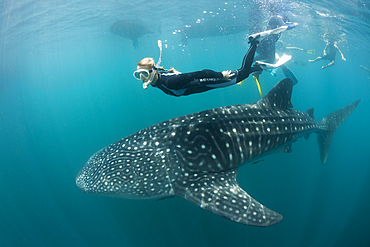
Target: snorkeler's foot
point(257, 69)
point(254, 38)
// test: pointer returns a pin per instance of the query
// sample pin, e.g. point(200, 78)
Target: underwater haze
point(67, 90)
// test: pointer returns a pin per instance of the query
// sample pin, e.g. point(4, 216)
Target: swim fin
point(309, 51)
point(289, 73)
point(241, 82)
point(281, 60)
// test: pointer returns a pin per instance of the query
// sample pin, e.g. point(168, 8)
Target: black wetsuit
point(200, 81)
point(331, 51)
point(266, 48)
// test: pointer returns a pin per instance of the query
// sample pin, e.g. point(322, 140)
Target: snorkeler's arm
point(291, 25)
point(340, 52)
point(173, 70)
point(188, 80)
point(326, 47)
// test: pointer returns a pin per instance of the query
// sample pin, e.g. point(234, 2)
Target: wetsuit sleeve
point(290, 25)
point(193, 79)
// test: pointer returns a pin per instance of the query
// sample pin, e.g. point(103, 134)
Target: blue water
point(66, 90)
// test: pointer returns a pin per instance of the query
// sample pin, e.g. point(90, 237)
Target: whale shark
point(197, 156)
point(130, 29)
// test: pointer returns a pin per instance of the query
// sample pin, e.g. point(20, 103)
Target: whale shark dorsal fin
point(220, 194)
point(280, 95)
point(309, 112)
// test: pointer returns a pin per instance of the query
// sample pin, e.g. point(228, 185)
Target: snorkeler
point(177, 84)
point(266, 49)
point(330, 51)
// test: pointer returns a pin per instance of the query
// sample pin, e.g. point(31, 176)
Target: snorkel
point(156, 67)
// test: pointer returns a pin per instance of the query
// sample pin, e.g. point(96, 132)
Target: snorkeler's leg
point(329, 64)
point(245, 70)
point(312, 61)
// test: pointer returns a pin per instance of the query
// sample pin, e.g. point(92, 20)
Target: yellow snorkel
point(147, 83)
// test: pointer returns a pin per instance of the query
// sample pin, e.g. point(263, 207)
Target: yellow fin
point(241, 82)
point(311, 51)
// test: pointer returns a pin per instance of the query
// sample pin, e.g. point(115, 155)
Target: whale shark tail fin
point(331, 123)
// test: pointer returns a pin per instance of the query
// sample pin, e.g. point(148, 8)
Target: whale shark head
point(130, 168)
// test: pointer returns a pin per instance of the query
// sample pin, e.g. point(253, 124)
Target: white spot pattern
point(166, 158)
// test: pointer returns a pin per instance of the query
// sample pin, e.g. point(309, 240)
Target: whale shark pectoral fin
point(220, 194)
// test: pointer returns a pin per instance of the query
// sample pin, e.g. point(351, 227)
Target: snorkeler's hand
point(227, 74)
point(173, 70)
point(343, 59)
point(295, 24)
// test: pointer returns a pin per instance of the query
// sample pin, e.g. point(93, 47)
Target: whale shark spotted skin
point(197, 156)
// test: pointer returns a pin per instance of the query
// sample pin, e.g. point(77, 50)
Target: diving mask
point(143, 73)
